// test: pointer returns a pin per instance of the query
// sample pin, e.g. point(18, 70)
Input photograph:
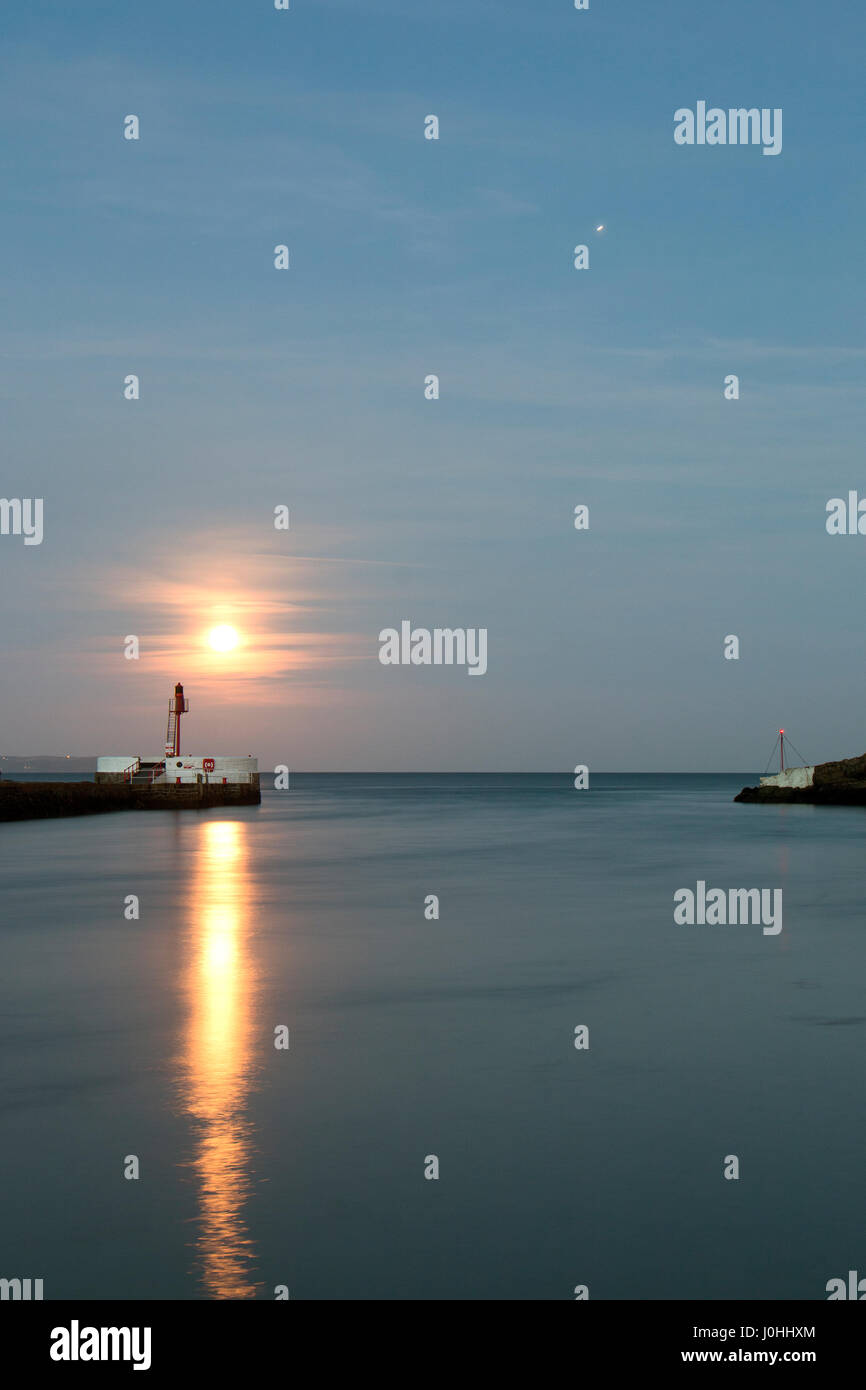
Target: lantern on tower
point(177, 706)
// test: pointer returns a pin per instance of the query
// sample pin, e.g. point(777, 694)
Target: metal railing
point(131, 772)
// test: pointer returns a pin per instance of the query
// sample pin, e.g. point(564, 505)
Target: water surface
point(410, 1037)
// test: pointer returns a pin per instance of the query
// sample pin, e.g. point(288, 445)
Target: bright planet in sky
point(223, 638)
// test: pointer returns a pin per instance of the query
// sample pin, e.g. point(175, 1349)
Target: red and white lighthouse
point(177, 706)
point(186, 779)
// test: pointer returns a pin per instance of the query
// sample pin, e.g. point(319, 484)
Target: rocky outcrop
point(40, 800)
point(841, 783)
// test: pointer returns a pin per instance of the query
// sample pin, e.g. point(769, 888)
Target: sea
point(433, 1037)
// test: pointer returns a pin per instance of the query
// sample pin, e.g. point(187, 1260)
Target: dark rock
point(841, 783)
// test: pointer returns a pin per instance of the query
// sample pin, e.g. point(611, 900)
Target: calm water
point(454, 1037)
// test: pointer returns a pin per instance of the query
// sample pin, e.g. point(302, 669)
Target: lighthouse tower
point(177, 706)
point(183, 779)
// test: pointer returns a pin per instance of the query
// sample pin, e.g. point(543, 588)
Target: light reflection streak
point(217, 1055)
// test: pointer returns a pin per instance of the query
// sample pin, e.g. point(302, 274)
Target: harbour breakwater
point(841, 783)
point(41, 800)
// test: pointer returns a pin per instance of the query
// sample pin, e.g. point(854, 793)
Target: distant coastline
point(52, 762)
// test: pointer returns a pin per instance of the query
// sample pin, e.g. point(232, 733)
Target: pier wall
point(42, 800)
point(199, 795)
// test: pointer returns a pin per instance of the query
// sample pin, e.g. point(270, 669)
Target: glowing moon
point(223, 639)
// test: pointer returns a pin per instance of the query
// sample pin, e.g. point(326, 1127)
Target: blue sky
point(557, 387)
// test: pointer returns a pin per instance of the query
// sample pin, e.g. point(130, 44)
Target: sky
point(408, 257)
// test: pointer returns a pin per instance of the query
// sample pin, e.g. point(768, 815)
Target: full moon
point(223, 639)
